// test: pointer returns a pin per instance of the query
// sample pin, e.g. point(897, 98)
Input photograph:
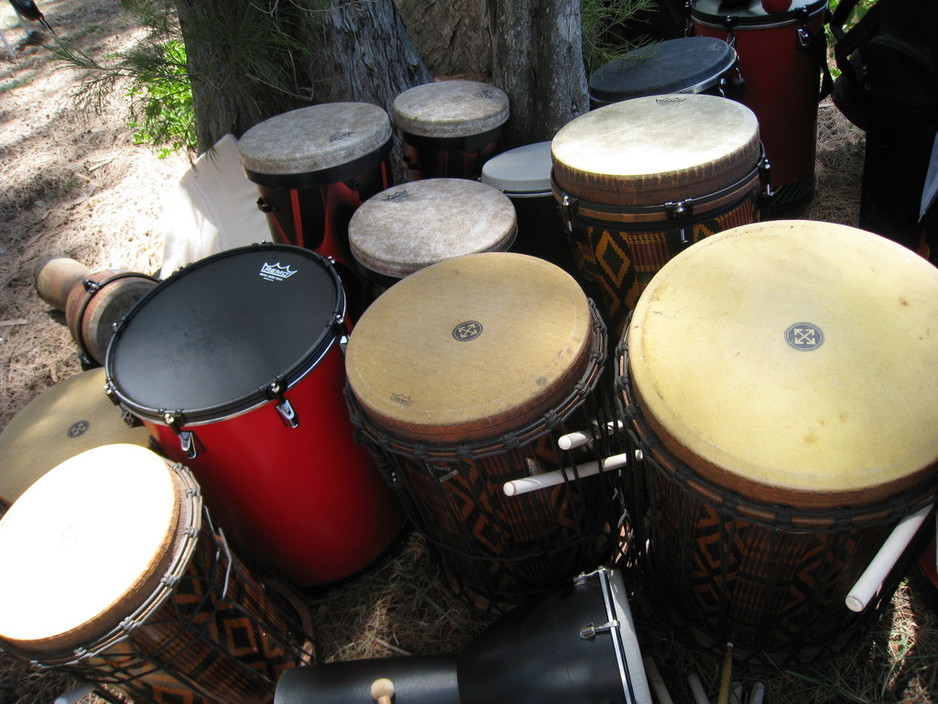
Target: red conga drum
point(449, 128)
point(115, 575)
point(777, 381)
point(413, 225)
point(640, 180)
point(782, 56)
point(313, 167)
point(462, 379)
point(234, 364)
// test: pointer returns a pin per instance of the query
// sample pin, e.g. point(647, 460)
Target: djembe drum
point(782, 57)
point(63, 421)
point(114, 574)
point(683, 65)
point(523, 175)
point(314, 167)
point(461, 378)
point(642, 179)
point(413, 225)
point(777, 381)
point(449, 128)
point(234, 365)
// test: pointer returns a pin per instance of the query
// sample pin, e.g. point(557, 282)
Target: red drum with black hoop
point(461, 379)
point(449, 128)
point(683, 65)
point(782, 57)
point(777, 382)
point(135, 590)
point(234, 364)
point(640, 180)
point(314, 167)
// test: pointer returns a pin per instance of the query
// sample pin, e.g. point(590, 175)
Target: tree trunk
point(538, 61)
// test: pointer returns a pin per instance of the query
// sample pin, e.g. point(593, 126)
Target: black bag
point(889, 87)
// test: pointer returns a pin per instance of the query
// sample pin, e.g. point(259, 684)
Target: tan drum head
point(449, 109)
point(314, 138)
point(793, 361)
point(413, 225)
point(85, 545)
point(470, 347)
point(64, 420)
point(656, 149)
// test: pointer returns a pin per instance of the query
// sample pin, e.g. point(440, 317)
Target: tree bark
point(537, 59)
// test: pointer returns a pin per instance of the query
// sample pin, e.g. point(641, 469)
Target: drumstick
point(548, 479)
point(74, 695)
point(382, 690)
point(757, 694)
point(657, 681)
point(696, 689)
point(726, 676)
point(884, 560)
point(578, 438)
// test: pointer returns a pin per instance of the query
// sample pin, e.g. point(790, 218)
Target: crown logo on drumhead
point(276, 272)
point(804, 336)
point(468, 330)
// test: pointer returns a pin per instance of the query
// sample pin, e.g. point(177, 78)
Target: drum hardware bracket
point(589, 631)
point(275, 391)
point(188, 442)
point(266, 207)
point(569, 208)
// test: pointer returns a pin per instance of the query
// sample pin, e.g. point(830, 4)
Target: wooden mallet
point(382, 690)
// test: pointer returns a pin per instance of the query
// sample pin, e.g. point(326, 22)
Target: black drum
point(685, 65)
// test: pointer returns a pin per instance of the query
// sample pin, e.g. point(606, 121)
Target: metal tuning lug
point(188, 442)
point(283, 407)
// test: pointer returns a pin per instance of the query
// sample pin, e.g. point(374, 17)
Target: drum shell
point(313, 210)
point(448, 157)
point(307, 502)
point(56, 277)
point(97, 303)
point(782, 88)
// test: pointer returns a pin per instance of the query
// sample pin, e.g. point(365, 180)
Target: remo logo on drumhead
point(275, 272)
point(804, 336)
point(469, 330)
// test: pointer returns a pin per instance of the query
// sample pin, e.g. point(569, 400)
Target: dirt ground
point(72, 182)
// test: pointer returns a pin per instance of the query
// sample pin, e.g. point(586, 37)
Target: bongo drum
point(782, 56)
point(577, 645)
point(640, 180)
point(63, 421)
point(412, 225)
point(313, 167)
point(523, 174)
point(777, 380)
point(461, 378)
point(683, 65)
point(449, 128)
point(135, 589)
point(234, 365)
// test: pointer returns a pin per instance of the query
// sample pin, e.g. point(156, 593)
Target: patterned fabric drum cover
point(413, 225)
point(684, 65)
point(640, 180)
point(114, 574)
point(460, 378)
point(63, 421)
point(779, 382)
point(313, 167)
point(523, 174)
point(449, 128)
point(234, 365)
point(782, 56)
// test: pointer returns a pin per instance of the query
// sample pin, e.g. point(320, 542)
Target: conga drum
point(115, 575)
point(782, 57)
point(462, 377)
point(642, 179)
point(412, 225)
point(583, 635)
point(63, 421)
point(683, 65)
point(313, 167)
point(234, 365)
point(449, 128)
point(523, 174)
point(777, 381)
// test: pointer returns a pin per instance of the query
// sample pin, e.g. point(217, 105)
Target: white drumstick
point(696, 689)
point(74, 695)
point(757, 694)
point(549, 479)
point(579, 438)
point(872, 578)
point(657, 681)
